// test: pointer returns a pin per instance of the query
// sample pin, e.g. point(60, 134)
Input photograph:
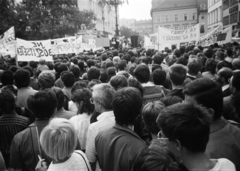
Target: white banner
point(8, 42)
point(173, 37)
point(34, 50)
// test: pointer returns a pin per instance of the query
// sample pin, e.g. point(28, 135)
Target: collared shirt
point(117, 148)
point(224, 142)
point(62, 113)
point(23, 95)
point(10, 125)
point(105, 120)
point(225, 87)
point(22, 151)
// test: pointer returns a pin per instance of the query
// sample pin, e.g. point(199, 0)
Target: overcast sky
point(136, 9)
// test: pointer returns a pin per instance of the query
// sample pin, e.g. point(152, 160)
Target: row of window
point(214, 16)
point(177, 27)
point(176, 18)
point(212, 2)
point(229, 3)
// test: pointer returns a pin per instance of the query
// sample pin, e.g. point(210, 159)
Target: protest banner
point(167, 36)
point(34, 50)
point(147, 43)
point(8, 42)
point(63, 45)
point(211, 37)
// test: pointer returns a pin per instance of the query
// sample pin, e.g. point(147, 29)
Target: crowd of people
point(123, 110)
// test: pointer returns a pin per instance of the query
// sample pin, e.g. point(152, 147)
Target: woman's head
point(58, 139)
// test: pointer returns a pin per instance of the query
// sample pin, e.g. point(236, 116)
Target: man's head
point(184, 128)
point(207, 93)
point(142, 73)
point(177, 74)
point(158, 59)
point(7, 78)
point(60, 97)
point(22, 78)
point(68, 79)
point(235, 82)
point(102, 97)
point(43, 104)
point(224, 75)
point(122, 65)
point(7, 102)
point(93, 73)
point(46, 79)
point(194, 66)
point(127, 104)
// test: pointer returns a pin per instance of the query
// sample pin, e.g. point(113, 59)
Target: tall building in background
point(231, 12)
point(129, 23)
point(215, 16)
point(106, 16)
point(179, 14)
point(144, 27)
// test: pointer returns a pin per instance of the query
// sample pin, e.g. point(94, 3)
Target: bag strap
point(84, 160)
point(35, 142)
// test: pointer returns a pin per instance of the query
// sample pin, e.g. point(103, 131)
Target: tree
point(47, 19)
point(7, 15)
point(127, 32)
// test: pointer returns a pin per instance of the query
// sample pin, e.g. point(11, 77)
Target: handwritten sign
point(34, 50)
point(64, 45)
point(7, 42)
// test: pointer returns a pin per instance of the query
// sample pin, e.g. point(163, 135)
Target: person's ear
point(211, 112)
point(178, 145)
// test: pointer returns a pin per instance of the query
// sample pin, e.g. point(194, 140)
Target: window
point(202, 17)
point(185, 17)
point(158, 19)
point(176, 27)
point(166, 18)
point(216, 15)
point(185, 27)
point(193, 16)
point(176, 17)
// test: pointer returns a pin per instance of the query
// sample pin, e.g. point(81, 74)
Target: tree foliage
point(127, 32)
point(45, 19)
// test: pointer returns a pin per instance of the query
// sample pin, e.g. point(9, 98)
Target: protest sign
point(8, 42)
point(63, 45)
point(34, 50)
point(167, 36)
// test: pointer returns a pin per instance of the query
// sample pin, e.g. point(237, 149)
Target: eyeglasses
point(161, 139)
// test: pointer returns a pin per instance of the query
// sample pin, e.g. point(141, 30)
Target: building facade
point(106, 16)
point(231, 12)
point(215, 16)
point(144, 27)
point(179, 15)
point(129, 23)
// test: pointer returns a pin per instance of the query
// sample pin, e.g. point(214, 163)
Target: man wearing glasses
point(185, 130)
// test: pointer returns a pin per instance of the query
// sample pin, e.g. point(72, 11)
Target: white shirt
point(223, 165)
point(225, 87)
point(74, 163)
point(81, 123)
point(72, 106)
point(105, 120)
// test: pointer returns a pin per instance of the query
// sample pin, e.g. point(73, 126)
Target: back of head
point(104, 57)
point(78, 85)
point(142, 73)
point(111, 72)
point(225, 73)
point(208, 53)
point(170, 100)
point(42, 61)
point(104, 94)
point(118, 82)
point(210, 65)
point(207, 93)
point(46, 79)
point(150, 113)
point(159, 77)
point(158, 59)
point(7, 78)
point(22, 78)
point(43, 104)
point(182, 60)
point(236, 63)
point(68, 79)
point(178, 74)
point(76, 71)
point(194, 66)
point(60, 97)
point(62, 68)
point(109, 64)
point(187, 123)
point(177, 53)
point(235, 82)
point(82, 98)
point(133, 82)
point(92, 83)
point(122, 65)
point(29, 69)
point(157, 160)
point(93, 73)
point(127, 104)
point(7, 102)
point(58, 139)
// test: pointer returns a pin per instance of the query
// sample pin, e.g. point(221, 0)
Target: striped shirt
point(10, 125)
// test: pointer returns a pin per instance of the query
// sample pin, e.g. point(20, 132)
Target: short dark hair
point(158, 59)
point(118, 81)
point(142, 73)
point(33, 64)
point(170, 100)
point(157, 160)
point(7, 78)
point(211, 65)
point(43, 103)
point(133, 82)
point(90, 63)
point(109, 64)
point(60, 97)
point(159, 77)
point(93, 73)
point(22, 78)
point(83, 96)
point(78, 85)
point(111, 72)
point(127, 104)
point(104, 57)
point(7, 102)
point(104, 77)
point(122, 65)
point(177, 74)
point(177, 53)
point(207, 93)
point(76, 71)
point(194, 66)
point(182, 60)
point(68, 78)
point(187, 123)
point(150, 113)
point(62, 68)
point(236, 80)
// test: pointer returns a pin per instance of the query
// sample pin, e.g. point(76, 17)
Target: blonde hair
point(58, 139)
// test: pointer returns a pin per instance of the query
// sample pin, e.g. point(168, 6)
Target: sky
point(136, 9)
